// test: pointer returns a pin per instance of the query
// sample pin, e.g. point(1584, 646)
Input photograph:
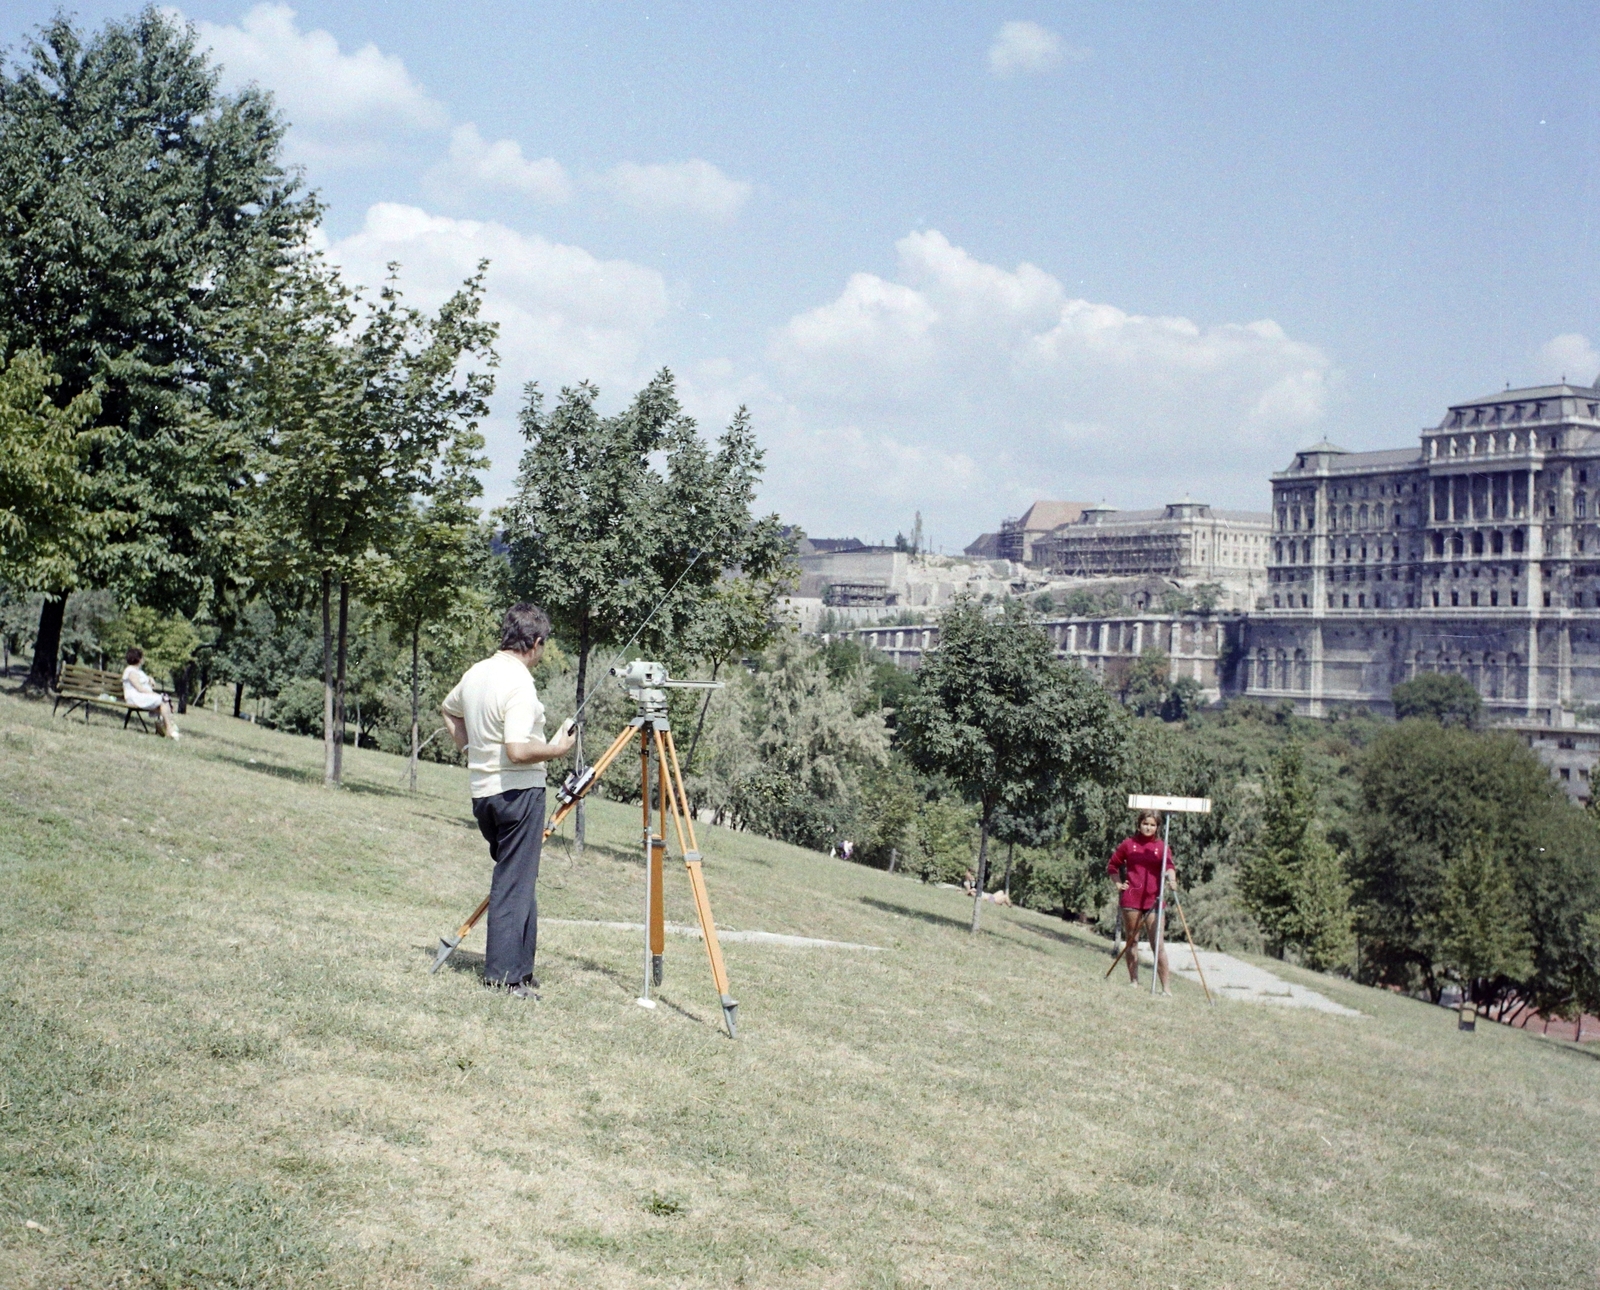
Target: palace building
point(1476, 552)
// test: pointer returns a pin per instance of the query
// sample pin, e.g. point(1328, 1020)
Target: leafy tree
point(354, 429)
point(1482, 924)
point(1449, 699)
point(1183, 700)
point(1425, 791)
point(1004, 720)
point(1145, 687)
point(811, 742)
point(438, 561)
point(1292, 881)
point(891, 800)
point(598, 533)
point(46, 530)
point(136, 197)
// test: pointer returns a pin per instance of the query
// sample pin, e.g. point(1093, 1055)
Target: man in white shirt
point(495, 714)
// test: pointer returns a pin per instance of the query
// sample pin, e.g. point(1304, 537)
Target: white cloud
point(1026, 48)
point(1569, 355)
point(565, 316)
point(976, 389)
point(342, 105)
point(695, 186)
point(475, 164)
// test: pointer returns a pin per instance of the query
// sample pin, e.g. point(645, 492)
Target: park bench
point(86, 687)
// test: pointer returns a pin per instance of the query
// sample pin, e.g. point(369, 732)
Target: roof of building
point(1160, 515)
point(1356, 462)
point(1533, 393)
point(1043, 515)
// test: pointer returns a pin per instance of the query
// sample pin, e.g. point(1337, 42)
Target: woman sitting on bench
point(139, 691)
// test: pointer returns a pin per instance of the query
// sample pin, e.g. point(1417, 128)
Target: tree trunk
point(338, 683)
point(328, 776)
point(182, 680)
point(238, 697)
point(578, 820)
point(47, 644)
point(416, 631)
point(894, 855)
point(1011, 850)
point(983, 868)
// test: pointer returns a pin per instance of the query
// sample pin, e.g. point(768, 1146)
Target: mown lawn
point(223, 1063)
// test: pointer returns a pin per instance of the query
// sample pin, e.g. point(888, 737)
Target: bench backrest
point(78, 679)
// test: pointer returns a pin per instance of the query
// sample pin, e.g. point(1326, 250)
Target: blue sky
point(955, 258)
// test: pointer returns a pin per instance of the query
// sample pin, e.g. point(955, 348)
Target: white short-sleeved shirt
point(497, 700)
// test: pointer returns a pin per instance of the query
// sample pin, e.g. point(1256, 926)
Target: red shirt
point(1142, 858)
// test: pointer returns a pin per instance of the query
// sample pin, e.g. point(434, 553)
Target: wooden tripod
point(654, 734)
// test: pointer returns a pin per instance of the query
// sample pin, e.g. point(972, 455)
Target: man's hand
point(1122, 886)
point(537, 750)
point(457, 728)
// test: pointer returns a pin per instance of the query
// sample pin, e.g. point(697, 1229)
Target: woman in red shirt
point(1136, 863)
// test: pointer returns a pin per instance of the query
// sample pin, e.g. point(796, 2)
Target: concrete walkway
point(723, 934)
point(1230, 978)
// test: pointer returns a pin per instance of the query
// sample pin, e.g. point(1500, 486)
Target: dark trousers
point(513, 824)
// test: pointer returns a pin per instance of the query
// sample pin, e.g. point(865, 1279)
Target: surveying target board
point(1190, 805)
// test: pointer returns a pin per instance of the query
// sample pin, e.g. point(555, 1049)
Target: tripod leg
point(1200, 971)
point(652, 885)
point(658, 923)
point(682, 797)
point(1132, 940)
point(708, 928)
point(447, 944)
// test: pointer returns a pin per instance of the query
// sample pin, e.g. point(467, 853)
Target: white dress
point(138, 689)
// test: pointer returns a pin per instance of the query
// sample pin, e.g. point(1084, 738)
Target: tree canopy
point(1004, 720)
point(138, 198)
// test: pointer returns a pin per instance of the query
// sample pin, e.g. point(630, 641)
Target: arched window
point(1305, 552)
point(1580, 505)
point(1348, 523)
point(1377, 516)
point(1361, 522)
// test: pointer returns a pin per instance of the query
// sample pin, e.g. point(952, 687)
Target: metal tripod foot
point(730, 1014)
point(447, 945)
point(656, 970)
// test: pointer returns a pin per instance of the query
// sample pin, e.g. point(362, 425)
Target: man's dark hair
point(523, 627)
point(135, 656)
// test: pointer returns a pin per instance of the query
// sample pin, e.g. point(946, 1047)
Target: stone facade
point(1198, 646)
point(1477, 552)
point(1183, 540)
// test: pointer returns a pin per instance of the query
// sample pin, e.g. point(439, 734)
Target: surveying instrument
point(646, 683)
point(1168, 806)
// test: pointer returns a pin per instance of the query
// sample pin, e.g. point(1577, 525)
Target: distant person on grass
point(1136, 864)
point(495, 714)
point(139, 691)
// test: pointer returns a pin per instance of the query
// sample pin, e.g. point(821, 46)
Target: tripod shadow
point(906, 911)
point(461, 961)
point(628, 985)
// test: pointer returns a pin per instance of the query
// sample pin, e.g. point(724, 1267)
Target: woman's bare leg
point(1130, 933)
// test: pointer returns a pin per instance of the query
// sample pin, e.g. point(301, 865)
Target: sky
point(955, 258)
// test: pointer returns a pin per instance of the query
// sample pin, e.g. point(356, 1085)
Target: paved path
point(1230, 978)
point(723, 934)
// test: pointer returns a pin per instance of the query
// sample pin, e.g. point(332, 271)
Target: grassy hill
point(223, 1062)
